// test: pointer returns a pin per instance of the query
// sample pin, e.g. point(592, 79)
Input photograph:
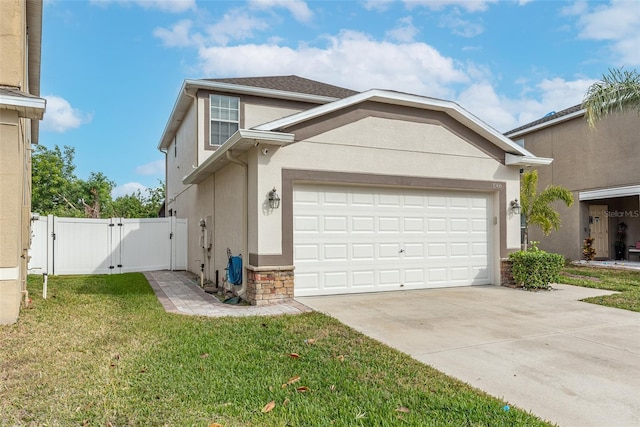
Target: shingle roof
point(546, 118)
point(290, 84)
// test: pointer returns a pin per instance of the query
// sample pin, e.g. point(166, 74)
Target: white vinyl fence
point(107, 246)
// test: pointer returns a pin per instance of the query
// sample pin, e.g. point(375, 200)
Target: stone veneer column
point(269, 285)
point(506, 277)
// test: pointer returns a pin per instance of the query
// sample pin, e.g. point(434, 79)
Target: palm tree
point(617, 91)
point(535, 207)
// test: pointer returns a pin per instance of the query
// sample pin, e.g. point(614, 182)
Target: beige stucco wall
point(13, 228)
point(586, 159)
point(12, 39)
point(256, 113)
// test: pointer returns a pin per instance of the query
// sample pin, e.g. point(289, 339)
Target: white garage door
point(359, 239)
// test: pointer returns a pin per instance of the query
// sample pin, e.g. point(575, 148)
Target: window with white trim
point(225, 118)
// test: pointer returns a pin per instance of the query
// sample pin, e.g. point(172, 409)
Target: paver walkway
point(179, 292)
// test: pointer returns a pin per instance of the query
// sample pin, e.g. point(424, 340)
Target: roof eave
point(515, 160)
point(27, 107)
point(239, 143)
point(553, 122)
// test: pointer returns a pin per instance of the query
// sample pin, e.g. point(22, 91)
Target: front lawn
point(101, 351)
point(627, 282)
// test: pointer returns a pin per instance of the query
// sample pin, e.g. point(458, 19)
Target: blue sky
point(112, 69)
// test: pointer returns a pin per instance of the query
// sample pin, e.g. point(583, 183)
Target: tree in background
point(617, 91)
point(535, 207)
point(138, 205)
point(56, 190)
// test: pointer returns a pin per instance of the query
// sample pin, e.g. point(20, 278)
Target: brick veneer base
point(506, 278)
point(269, 285)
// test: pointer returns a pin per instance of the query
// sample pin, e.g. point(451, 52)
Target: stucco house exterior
point(600, 166)
point(21, 108)
point(378, 190)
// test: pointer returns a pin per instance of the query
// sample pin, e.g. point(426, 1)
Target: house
point(600, 166)
point(325, 190)
point(21, 108)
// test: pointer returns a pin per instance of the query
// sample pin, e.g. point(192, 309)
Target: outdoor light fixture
point(274, 199)
point(515, 207)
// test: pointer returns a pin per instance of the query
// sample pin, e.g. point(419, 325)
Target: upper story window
point(225, 118)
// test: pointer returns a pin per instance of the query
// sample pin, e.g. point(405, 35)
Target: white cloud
point(60, 116)
point(459, 26)
point(171, 6)
point(152, 168)
point(505, 114)
point(617, 23)
point(297, 8)
point(177, 36)
point(128, 188)
point(350, 59)
point(235, 25)
point(468, 5)
point(377, 5)
point(404, 32)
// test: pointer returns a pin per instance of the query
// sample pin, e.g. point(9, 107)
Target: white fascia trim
point(269, 138)
point(259, 91)
point(514, 160)
point(607, 193)
point(400, 98)
point(29, 107)
point(546, 124)
point(9, 273)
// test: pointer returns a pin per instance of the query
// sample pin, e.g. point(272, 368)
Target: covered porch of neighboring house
point(612, 217)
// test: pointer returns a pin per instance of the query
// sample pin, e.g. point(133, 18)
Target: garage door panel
point(309, 252)
point(363, 252)
point(357, 239)
point(388, 251)
point(388, 224)
point(336, 252)
point(363, 224)
point(306, 224)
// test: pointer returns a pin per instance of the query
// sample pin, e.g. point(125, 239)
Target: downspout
point(245, 225)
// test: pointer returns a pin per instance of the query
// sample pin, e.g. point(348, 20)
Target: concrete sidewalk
point(569, 362)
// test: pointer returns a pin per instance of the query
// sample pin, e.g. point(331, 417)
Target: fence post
point(50, 262)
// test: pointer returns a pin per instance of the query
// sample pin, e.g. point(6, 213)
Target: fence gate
point(107, 246)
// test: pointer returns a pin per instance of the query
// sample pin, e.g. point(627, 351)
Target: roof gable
point(448, 108)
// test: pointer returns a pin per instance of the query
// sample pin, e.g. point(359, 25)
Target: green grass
point(627, 282)
point(101, 351)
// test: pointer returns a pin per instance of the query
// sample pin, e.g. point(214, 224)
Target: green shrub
point(536, 269)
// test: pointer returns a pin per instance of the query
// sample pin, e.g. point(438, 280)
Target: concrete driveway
point(569, 362)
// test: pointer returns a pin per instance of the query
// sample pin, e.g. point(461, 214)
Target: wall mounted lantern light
point(515, 207)
point(274, 199)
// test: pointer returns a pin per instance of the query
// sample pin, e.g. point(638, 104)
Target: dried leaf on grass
point(303, 389)
point(215, 425)
point(204, 355)
point(403, 409)
point(291, 381)
point(340, 358)
point(269, 406)
point(310, 341)
point(285, 402)
point(294, 355)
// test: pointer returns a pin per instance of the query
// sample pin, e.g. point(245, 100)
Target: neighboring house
point(600, 166)
point(379, 190)
point(20, 110)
